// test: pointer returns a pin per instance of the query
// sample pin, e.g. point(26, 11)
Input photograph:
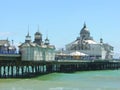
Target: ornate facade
point(6, 47)
point(86, 44)
point(37, 50)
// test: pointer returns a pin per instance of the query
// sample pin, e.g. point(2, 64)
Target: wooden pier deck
point(15, 68)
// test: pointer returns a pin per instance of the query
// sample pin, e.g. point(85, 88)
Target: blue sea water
point(85, 80)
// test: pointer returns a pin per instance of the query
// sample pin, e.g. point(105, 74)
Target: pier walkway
point(10, 57)
point(13, 67)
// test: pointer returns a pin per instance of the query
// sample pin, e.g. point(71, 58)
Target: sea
point(84, 80)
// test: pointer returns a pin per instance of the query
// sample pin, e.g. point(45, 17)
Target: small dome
point(38, 33)
point(46, 39)
point(84, 30)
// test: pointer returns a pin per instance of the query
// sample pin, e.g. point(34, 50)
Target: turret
point(38, 37)
point(28, 38)
point(101, 40)
point(47, 41)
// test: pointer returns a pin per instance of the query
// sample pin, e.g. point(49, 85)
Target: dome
point(47, 41)
point(38, 33)
point(84, 30)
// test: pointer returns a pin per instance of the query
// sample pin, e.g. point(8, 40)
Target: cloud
point(6, 34)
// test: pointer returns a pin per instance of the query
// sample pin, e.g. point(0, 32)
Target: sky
point(61, 20)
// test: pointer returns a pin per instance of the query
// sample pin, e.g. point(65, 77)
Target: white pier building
point(89, 48)
point(37, 50)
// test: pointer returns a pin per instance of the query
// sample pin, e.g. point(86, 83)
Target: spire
point(47, 33)
point(28, 30)
point(38, 33)
point(38, 27)
point(28, 33)
point(28, 37)
point(7, 39)
point(84, 25)
point(12, 42)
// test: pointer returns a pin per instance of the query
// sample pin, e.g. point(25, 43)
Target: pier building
point(6, 47)
point(37, 50)
point(38, 57)
point(89, 48)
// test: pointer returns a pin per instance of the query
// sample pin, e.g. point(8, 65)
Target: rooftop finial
point(28, 37)
point(84, 25)
point(38, 27)
point(7, 38)
point(12, 42)
point(46, 33)
point(28, 30)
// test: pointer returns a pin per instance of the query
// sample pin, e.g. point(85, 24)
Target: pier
point(13, 67)
point(38, 57)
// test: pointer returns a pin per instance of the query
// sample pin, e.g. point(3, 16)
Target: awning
point(77, 53)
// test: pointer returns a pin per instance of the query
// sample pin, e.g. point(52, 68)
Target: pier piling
point(21, 69)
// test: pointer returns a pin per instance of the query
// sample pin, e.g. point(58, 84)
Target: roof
point(31, 44)
point(3, 42)
point(84, 30)
point(38, 33)
point(90, 42)
point(75, 42)
point(27, 44)
point(62, 54)
point(86, 41)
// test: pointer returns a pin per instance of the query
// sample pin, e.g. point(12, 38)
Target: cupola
point(38, 37)
point(28, 38)
point(47, 41)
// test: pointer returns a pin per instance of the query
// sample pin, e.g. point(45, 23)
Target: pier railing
point(20, 69)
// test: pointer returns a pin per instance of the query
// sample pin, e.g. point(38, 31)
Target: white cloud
point(5, 33)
